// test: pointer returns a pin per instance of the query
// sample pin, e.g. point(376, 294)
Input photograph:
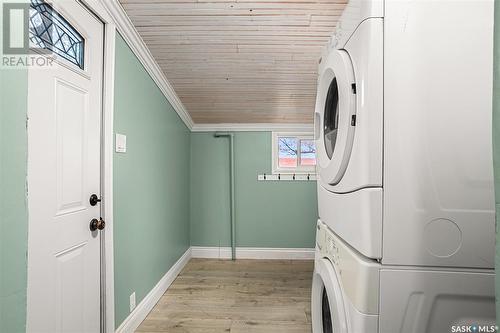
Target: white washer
point(353, 294)
point(403, 132)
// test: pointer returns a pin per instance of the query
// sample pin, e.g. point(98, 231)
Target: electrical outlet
point(132, 302)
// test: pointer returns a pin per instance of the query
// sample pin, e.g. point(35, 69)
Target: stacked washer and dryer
point(406, 236)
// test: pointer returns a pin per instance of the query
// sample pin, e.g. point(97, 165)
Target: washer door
point(328, 312)
point(335, 116)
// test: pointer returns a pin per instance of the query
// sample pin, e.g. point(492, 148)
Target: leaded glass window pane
point(50, 31)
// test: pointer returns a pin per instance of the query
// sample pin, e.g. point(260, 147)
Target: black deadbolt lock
point(94, 200)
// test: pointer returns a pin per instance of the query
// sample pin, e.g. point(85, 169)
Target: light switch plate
point(121, 143)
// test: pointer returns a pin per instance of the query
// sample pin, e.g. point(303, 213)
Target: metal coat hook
point(292, 177)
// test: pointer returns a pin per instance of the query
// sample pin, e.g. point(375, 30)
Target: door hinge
point(353, 87)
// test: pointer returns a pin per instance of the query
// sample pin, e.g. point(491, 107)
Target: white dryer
point(353, 294)
point(403, 132)
point(349, 133)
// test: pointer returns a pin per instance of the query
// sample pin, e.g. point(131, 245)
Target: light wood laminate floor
point(242, 296)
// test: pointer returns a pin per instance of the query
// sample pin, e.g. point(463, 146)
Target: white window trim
point(275, 153)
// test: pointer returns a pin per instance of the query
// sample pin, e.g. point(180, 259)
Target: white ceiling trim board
point(136, 43)
point(235, 61)
point(306, 128)
point(139, 48)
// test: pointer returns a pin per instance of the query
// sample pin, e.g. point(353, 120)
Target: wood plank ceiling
point(239, 61)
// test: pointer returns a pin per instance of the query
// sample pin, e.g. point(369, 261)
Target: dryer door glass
point(326, 314)
point(331, 117)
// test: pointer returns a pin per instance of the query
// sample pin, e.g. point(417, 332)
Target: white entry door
point(64, 145)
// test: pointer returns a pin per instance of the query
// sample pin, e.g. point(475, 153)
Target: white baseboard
point(210, 252)
point(274, 253)
point(252, 253)
point(132, 322)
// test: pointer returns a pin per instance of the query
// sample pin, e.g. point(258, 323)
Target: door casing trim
point(108, 95)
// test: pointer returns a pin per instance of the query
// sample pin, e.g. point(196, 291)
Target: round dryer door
point(335, 116)
point(328, 311)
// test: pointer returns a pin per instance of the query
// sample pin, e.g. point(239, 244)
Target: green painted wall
point(496, 145)
point(268, 214)
point(13, 206)
point(151, 183)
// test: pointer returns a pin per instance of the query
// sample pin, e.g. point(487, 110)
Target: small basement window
point(293, 153)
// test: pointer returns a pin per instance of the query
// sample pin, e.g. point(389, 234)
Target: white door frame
point(107, 160)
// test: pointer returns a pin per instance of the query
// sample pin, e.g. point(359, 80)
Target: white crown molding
point(256, 127)
point(132, 322)
point(209, 252)
point(136, 43)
